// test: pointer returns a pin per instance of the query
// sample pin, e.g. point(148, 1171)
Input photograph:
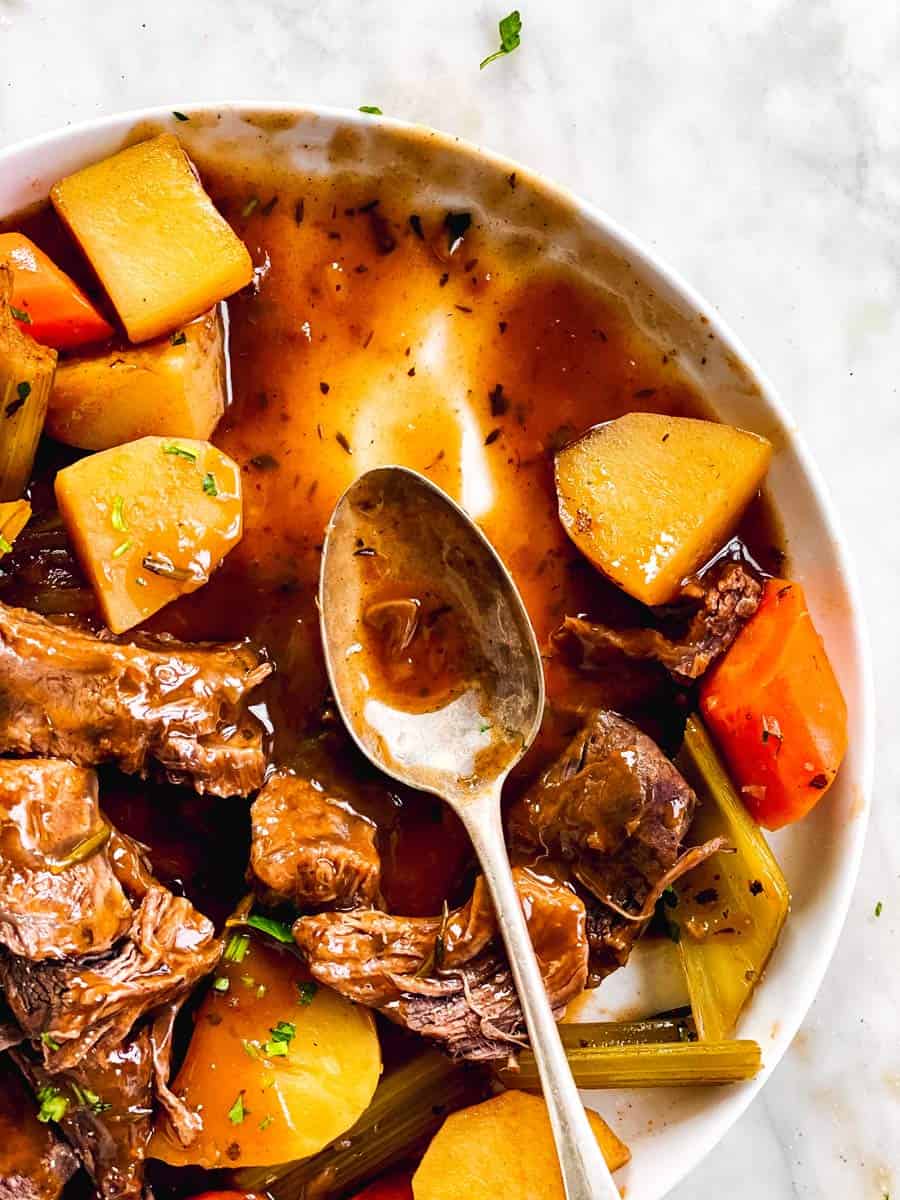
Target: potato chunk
point(174, 386)
point(649, 498)
point(503, 1147)
point(149, 521)
point(159, 246)
point(277, 1067)
point(26, 377)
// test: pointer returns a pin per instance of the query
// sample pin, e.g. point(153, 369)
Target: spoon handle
point(584, 1172)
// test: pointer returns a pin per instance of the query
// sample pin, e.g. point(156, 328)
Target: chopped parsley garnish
point(237, 947)
point(372, 109)
point(250, 206)
point(89, 1099)
point(879, 909)
point(50, 1042)
point(180, 451)
point(483, 728)
point(179, 116)
point(237, 1112)
point(5, 546)
point(265, 1123)
point(53, 1104)
point(179, 338)
point(306, 991)
point(117, 516)
point(123, 548)
point(510, 37)
point(221, 983)
point(209, 484)
point(279, 1043)
point(20, 314)
point(276, 929)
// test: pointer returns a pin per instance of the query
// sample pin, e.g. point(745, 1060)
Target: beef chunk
point(616, 810)
point(447, 977)
point(77, 1004)
point(730, 596)
point(310, 847)
point(59, 891)
point(34, 1163)
point(108, 1110)
point(66, 693)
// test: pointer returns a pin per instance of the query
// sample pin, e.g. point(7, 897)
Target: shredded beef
point(447, 977)
point(109, 1114)
point(310, 848)
point(34, 1163)
point(730, 596)
point(77, 1004)
point(616, 810)
point(151, 701)
point(59, 891)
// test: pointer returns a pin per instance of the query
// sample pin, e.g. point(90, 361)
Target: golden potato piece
point(174, 386)
point(277, 1067)
point(649, 498)
point(149, 521)
point(159, 246)
point(503, 1147)
point(14, 516)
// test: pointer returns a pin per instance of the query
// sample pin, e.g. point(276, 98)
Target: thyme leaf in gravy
point(510, 37)
point(20, 314)
point(237, 1112)
point(179, 338)
point(209, 484)
point(372, 109)
point(179, 116)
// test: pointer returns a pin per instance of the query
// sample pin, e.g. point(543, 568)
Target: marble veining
point(757, 148)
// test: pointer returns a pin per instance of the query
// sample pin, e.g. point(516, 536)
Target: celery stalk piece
point(408, 1107)
point(14, 516)
point(653, 1030)
point(729, 910)
point(668, 1064)
point(26, 377)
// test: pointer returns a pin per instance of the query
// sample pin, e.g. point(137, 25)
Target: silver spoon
point(393, 537)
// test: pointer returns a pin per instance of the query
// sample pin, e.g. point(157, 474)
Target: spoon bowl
point(394, 539)
point(437, 673)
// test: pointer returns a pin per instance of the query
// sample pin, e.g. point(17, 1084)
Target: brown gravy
point(366, 343)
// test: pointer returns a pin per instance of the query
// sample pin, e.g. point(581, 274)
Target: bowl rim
point(721, 1119)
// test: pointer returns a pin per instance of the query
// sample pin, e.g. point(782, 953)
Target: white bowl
point(668, 1130)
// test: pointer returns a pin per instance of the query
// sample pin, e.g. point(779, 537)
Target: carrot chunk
point(775, 708)
point(396, 1186)
point(47, 303)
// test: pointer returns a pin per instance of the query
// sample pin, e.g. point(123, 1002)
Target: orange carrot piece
point(54, 310)
point(776, 710)
point(397, 1186)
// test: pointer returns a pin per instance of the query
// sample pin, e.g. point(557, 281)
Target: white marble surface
point(757, 146)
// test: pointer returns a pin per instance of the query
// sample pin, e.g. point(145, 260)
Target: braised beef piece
point(447, 978)
point(108, 1110)
point(151, 701)
point(34, 1163)
point(616, 810)
point(60, 892)
point(75, 1004)
point(729, 596)
point(310, 848)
